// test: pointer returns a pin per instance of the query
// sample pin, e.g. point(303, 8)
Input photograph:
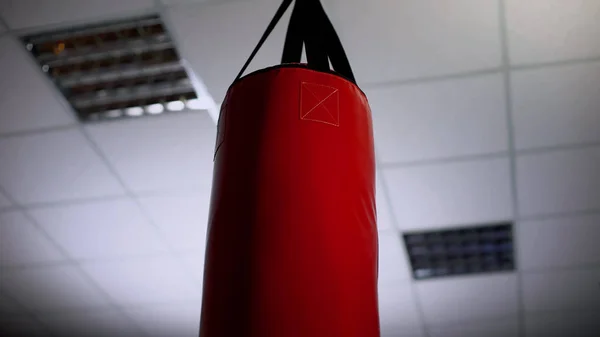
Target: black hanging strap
point(334, 47)
point(294, 39)
point(309, 25)
point(298, 34)
point(284, 6)
point(315, 21)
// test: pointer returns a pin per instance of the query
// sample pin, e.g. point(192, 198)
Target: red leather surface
point(292, 242)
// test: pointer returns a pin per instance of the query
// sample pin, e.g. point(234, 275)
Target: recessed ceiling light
point(134, 111)
point(175, 106)
point(122, 65)
point(459, 251)
point(155, 109)
point(116, 113)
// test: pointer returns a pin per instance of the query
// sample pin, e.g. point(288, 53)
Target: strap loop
point(309, 26)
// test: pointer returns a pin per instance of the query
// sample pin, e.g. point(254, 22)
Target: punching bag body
point(292, 240)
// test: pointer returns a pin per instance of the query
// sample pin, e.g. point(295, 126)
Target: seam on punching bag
point(327, 108)
point(294, 65)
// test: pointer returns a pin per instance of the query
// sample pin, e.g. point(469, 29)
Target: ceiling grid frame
point(397, 232)
point(30, 315)
point(68, 261)
point(177, 256)
point(27, 313)
point(96, 149)
point(505, 70)
point(506, 73)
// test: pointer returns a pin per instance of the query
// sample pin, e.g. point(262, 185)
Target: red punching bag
point(292, 238)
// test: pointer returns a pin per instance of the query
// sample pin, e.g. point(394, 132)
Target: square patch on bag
point(319, 103)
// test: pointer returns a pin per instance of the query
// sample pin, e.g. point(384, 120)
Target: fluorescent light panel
point(124, 69)
point(468, 250)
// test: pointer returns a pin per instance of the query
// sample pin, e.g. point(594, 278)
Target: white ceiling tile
point(395, 40)
point(468, 299)
point(181, 320)
point(173, 2)
point(91, 324)
point(201, 27)
point(556, 106)
point(8, 306)
point(450, 194)
point(390, 330)
point(384, 216)
point(561, 324)
point(564, 242)
point(4, 202)
point(552, 30)
point(393, 263)
point(21, 243)
point(144, 280)
point(51, 288)
point(562, 290)
point(559, 181)
point(495, 328)
point(20, 326)
point(27, 101)
point(163, 153)
point(53, 166)
point(18, 14)
point(182, 218)
point(100, 229)
point(194, 261)
point(397, 308)
point(440, 119)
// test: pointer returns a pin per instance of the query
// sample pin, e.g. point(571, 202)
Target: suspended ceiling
point(484, 110)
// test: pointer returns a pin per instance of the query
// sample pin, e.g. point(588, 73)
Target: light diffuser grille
point(121, 69)
point(469, 250)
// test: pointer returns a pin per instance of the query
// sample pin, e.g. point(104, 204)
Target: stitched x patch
point(319, 103)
